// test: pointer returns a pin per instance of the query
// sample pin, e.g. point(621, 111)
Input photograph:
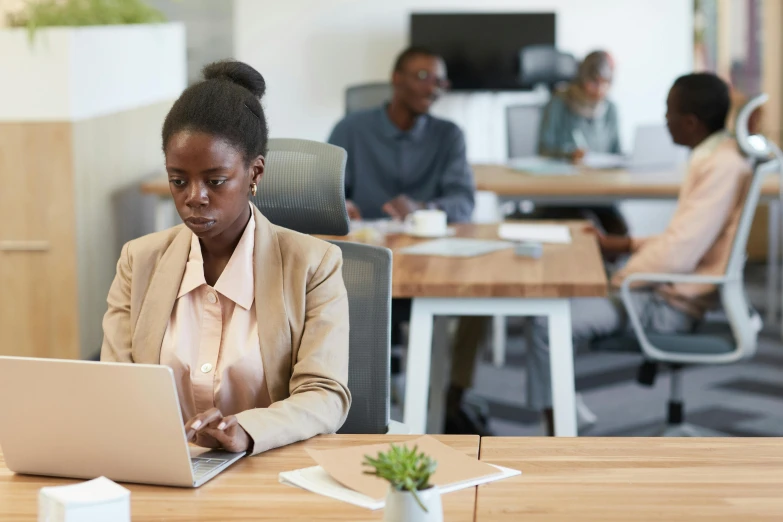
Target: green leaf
point(404, 468)
point(76, 13)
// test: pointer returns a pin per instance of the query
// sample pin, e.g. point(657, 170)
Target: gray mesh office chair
point(304, 187)
point(522, 124)
point(303, 190)
point(544, 64)
point(711, 343)
point(367, 273)
point(366, 96)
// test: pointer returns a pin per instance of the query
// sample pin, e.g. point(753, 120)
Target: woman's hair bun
point(239, 73)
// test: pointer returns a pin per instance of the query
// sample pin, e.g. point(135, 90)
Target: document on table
point(340, 473)
point(456, 247)
point(540, 166)
point(558, 234)
point(597, 160)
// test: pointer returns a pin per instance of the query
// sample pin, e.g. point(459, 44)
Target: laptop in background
point(82, 419)
point(653, 149)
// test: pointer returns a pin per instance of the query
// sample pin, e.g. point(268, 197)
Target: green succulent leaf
point(404, 468)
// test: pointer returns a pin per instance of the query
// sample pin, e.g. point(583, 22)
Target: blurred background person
point(580, 119)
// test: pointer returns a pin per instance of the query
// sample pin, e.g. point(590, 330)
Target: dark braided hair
point(226, 104)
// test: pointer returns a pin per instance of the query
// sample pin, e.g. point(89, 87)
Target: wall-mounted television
point(482, 50)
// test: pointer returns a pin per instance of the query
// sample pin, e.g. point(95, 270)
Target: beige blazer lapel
point(274, 333)
point(159, 300)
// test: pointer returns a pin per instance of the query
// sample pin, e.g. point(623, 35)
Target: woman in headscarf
point(580, 119)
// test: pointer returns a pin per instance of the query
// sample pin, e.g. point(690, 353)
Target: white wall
point(310, 50)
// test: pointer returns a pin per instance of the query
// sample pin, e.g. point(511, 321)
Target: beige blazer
point(302, 310)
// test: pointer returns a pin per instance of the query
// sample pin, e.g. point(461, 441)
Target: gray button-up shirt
point(426, 163)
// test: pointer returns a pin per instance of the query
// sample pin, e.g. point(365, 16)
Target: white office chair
point(711, 344)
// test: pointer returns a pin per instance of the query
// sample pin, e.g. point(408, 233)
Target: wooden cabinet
point(38, 287)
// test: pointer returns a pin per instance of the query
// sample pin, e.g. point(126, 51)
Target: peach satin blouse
point(211, 341)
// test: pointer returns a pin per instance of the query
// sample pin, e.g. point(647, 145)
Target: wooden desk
point(497, 284)
point(608, 186)
point(249, 490)
point(603, 186)
point(574, 270)
point(601, 479)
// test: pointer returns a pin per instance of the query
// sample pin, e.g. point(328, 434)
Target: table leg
point(440, 375)
point(417, 369)
point(561, 353)
point(498, 340)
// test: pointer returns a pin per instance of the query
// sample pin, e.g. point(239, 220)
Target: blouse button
point(211, 298)
point(206, 367)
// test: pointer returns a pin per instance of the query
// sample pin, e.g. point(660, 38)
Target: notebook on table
point(340, 473)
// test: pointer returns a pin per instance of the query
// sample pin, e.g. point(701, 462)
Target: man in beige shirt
point(697, 240)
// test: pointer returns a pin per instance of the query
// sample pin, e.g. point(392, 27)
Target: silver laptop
point(653, 149)
point(84, 419)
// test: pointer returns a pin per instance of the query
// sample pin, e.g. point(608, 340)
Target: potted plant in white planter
point(411, 497)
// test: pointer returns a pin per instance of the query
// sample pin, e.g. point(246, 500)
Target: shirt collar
point(710, 143)
point(237, 280)
point(391, 131)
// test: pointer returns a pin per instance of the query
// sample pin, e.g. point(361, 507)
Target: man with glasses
point(402, 159)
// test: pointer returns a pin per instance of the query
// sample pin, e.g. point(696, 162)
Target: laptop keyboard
point(204, 466)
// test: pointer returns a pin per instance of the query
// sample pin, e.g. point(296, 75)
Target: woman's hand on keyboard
point(212, 430)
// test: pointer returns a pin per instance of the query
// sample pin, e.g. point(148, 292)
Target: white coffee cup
point(426, 223)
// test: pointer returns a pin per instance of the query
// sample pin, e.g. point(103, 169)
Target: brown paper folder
point(345, 466)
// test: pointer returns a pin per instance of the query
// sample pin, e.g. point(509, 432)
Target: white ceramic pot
point(402, 507)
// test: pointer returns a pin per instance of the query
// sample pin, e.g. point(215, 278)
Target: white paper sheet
point(558, 234)
point(540, 166)
point(456, 247)
point(316, 480)
point(597, 160)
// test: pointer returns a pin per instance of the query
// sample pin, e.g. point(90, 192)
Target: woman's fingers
point(227, 422)
point(200, 421)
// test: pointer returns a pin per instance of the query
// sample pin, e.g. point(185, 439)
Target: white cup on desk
point(426, 223)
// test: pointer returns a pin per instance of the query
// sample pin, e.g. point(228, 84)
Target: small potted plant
point(411, 497)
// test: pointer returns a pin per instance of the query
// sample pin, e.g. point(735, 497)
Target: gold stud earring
point(253, 189)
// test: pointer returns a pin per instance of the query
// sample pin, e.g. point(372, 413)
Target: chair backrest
point(544, 64)
point(303, 187)
point(735, 303)
point(366, 96)
point(367, 271)
point(522, 124)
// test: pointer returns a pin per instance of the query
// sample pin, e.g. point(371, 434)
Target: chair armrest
point(674, 278)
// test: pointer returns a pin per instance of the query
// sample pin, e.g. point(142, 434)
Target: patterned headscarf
point(598, 65)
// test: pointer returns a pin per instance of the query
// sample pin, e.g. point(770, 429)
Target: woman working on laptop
point(251, 317)
point(580, 119)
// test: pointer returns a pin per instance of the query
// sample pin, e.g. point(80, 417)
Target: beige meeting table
point(634, 479)
point(249, 490)
point(500, 283)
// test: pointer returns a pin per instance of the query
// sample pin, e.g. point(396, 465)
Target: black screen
point(482, 50)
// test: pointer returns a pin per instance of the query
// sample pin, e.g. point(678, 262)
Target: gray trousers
point(592, 318)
